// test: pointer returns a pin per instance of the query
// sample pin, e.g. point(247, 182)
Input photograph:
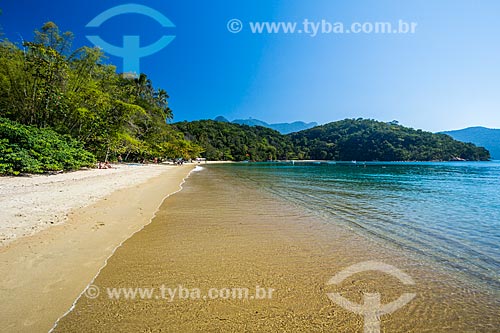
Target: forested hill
point(349, 139)
point(228, 141)
point(370, 140)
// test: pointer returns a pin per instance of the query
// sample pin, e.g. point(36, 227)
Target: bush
point(27, 149)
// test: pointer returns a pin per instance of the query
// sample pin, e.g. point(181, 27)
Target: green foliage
point(46, 86)
point(227, 141)
point(346, 140)
point(27, 149)
point(370, 140)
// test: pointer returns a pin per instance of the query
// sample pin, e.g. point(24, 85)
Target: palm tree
point(161, 98)
point(144, 88)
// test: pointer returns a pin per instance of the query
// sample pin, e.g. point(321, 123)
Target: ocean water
point(447, 214)
point(294, 227)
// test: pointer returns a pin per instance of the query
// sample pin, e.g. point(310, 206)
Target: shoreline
point(222, 233)
point(54, 265)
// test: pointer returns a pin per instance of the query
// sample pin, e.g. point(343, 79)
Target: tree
point(50, 37)
point(46, 85)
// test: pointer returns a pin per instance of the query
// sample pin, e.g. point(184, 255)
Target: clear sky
point(444, 76)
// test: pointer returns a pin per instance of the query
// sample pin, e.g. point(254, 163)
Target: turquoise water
point(447, 213)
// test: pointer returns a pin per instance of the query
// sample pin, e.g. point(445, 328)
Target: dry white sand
point(31, 204)
point(43, 272)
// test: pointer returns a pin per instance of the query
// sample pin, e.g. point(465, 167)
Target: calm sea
point(445, 213)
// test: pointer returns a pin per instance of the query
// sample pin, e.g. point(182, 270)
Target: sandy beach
point(58, 231)
point(31, 204)
point(220, 233)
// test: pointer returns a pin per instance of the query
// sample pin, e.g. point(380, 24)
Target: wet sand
point(222, 233)
point(42, 275)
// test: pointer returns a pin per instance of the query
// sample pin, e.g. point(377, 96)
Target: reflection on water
point(446, 212)
point(222, 231)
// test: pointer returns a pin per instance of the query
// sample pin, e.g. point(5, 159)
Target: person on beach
point(105, 165)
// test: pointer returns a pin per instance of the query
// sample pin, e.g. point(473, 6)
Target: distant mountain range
point(283, 128)
point(480, 136)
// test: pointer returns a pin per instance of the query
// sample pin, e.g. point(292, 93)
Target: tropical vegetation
point(371, 140)
point(345, 140)
point(44, 84)
point(28, 149)
point(222, 141)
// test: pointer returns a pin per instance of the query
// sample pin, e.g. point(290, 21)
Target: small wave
point(198, 168)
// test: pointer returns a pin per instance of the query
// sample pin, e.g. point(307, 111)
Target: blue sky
point(445, 76)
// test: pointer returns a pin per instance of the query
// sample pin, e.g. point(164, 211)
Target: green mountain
point(345, 140)
point(370, 140)
point(481, 136)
